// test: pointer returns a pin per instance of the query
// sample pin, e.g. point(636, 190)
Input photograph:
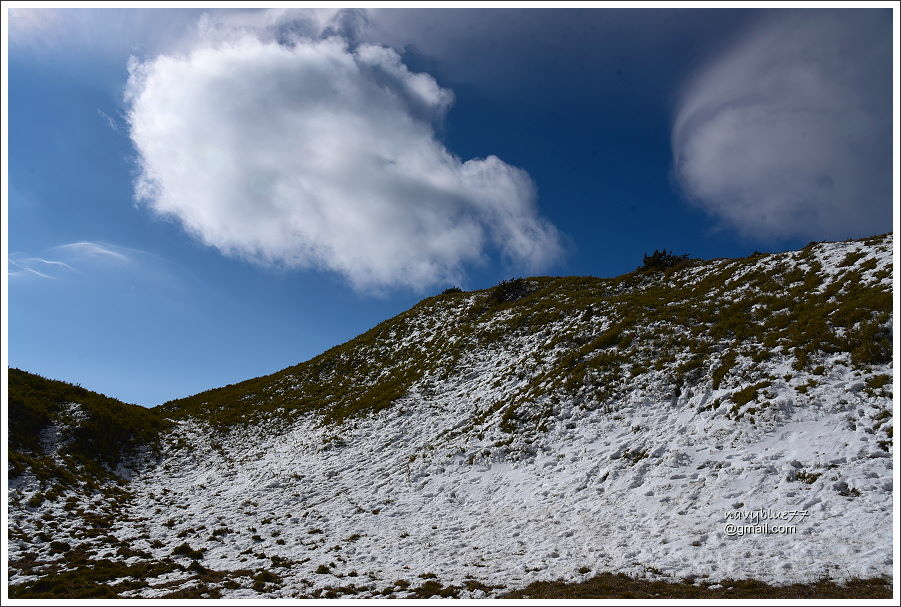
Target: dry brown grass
point(619, 586)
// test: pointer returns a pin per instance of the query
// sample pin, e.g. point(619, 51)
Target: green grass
point(677, 318)
point(86, 577)
point(698, 323)
point(109, 430)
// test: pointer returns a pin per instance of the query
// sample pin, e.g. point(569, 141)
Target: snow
point(577, 503)
point(645, 486)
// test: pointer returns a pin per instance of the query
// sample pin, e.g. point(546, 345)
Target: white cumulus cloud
point(788, 133)
point(317, 154)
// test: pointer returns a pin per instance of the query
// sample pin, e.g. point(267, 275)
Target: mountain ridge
point(665, 390)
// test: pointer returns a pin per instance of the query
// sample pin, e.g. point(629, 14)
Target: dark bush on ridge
point(510, 290)
point(660, 260)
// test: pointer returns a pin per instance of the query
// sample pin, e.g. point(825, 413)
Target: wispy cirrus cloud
point(110, 121)
point(69, 258)
point(36, 266)
point(280, 140)
point(94, 250)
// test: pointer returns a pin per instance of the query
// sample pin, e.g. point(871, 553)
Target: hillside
point(545, 429)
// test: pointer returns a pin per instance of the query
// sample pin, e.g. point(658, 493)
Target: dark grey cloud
point(582, 51)
point(789, 132)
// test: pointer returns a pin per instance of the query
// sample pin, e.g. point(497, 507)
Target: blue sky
point(199, 197)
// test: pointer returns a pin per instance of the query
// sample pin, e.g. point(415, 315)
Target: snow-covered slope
point(549, 428)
